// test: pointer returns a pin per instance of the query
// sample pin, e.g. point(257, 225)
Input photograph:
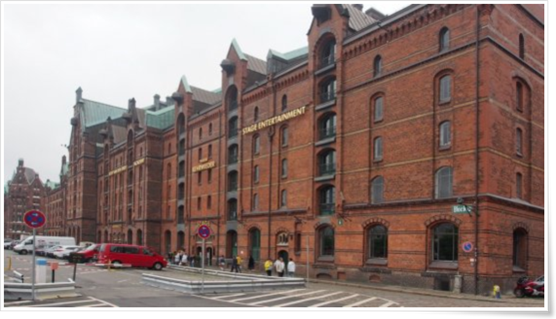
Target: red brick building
point(347, 155)
point(22, 193)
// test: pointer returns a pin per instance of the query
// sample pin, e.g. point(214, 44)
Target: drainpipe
point(477, 72)
point(217, 171)
point(270, 140)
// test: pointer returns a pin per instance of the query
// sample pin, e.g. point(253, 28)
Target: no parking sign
point(467, 246)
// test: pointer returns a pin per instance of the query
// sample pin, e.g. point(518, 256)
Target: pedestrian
point(239, 261)
point(234, 264)
point(279, 266)
point(184, 259)
point(251, 264)
point(222, 262)
point(268, 267)
point(170, 256)
point(177, 258)
point(291, 268)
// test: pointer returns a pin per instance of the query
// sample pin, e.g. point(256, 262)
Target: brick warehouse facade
point(347, 155)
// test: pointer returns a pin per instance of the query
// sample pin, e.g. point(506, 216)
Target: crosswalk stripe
point(61, 303)
point(16, 302)
point(303, 300)
point(226, 296)
point(286, 297)
point(388, 304)
point(360, 302)
point(334, 301)
point(267, 295)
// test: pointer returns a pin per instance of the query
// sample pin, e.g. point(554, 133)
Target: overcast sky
point(118, 51)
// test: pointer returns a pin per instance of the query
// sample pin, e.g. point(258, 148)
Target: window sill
point(445, 147)
point(325, 68)
point(444, 103)
point(284, 176)
point(326, 259)
point(325, 105)
point(377, 262)
point(325, 178)
point(447, 265)
point(517, 269)
point(377, 160)
point(379, 121)
point(325, 141)
point(518, 154)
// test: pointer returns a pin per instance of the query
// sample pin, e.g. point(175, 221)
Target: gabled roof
point(256, 64)
point(186, 86)
point(238, 50)
point(94, 113)
point(205, 96)
point(357, 19)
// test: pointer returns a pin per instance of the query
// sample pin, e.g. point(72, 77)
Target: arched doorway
point(181, 241)
point(255, 244)
point(231, 244)
point(167, 241)
point(130, 237)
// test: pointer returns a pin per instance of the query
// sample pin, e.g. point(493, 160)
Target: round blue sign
point(204, 231)
point(467, 246)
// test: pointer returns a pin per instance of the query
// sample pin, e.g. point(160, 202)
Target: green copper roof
point(161, 119)
point(185, 84)
point(238, 50)
point(95, 113)
point(51, 185)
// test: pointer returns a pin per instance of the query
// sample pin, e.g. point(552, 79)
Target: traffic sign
point(467, 246)
point(204, 231)
point(34, 219)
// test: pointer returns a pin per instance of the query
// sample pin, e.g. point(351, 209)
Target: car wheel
point(23, 252)
point(519, 293)
point(157, 266)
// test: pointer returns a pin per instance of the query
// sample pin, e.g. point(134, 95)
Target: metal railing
point(327, 209)
point(327, 60)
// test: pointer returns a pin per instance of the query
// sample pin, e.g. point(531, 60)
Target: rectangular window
point(378, 149)
point(199, 178)
point(445, 134)
point(519, 141)
point(518, 185)
point(445, 89)
point(255, 202)
point(209, 175)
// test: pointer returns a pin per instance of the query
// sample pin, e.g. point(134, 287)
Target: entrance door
point(231, 244)
point(208, 256)
point(255, 241)
point(285, 258)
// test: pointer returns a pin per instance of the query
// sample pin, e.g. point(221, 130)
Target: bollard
point(41, 271)
point(109, 263)
point(457, 284)
point(496, 292)
point(53, 267)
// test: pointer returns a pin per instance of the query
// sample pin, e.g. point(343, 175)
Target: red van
point(137, 256)
point(90, 253)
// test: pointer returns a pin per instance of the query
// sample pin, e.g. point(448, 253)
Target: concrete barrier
point(240, 283)
point(22, 291)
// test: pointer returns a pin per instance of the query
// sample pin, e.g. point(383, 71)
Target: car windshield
point(92, 247)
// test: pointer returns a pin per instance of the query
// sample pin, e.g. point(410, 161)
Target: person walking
point(279, 266)
point(268, 267)
point(234, 264)
point(291, 268)
point(177, 258)
point(184, 259)
point(222, 262)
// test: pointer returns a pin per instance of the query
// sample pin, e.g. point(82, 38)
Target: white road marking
point(104, 302)
point(333, 301)
point(234, 295)
point(16, 302)
point(266, 295)
point(388, 304)
point(123, 280)
point(286, 297)
point(303, 300)
point(360, 302)
point(60, 303)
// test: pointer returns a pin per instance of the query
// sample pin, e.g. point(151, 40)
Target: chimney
point(131, 103)
point(156, 102)
point(78, 95)
point(64, 160)
point(358, 7)
point(20, 162)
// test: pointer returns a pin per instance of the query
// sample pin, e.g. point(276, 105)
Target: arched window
point(377, 66)
point(519, 141)
point(255, 202)
point(377, 153)
point(328, 53)
point(445, 242)
point(519, 253)
point(282, 239)
point(377, 242)
point(256, 174)
point(445, 89)
point(327, 126)
point(233, 154)
point(443, 182)
point(327, 200)
point(445, 134)
point(378, 108)
point(210, 129)
point(232, 181)
point(181, 214)
point(327, 90)
point(284, 198)
point(521, 46)
point(256, 114)
point(232, 209)
point(284, 102)
point(232, 98)
point(326, 242)
point(327, 162)
point(377, 190)
point(284, 135)
point(444, 39)
point(233, 127)
point(519, 96)
point(256, 144)
point(284, 167)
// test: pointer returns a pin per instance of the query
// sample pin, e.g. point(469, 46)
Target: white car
point(64, 251)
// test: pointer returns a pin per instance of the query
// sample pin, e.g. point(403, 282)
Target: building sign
point(462, 209)
point(139, 162)
point(274, 120)
point(117, 170)
point(203, 167)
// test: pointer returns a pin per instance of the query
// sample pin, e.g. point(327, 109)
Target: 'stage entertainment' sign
point(274, 120)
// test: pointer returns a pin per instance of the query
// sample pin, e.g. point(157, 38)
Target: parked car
point(42, 251)
point(136, 256)
point(90, 253)
point(7, 243)
point(64, 251)
point(26, 246)
point(49, 252)
point(13, 244)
